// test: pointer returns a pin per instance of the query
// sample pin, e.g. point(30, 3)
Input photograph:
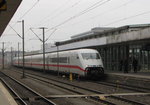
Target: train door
point(68, 59)
point(47, 62)
point(75, 61)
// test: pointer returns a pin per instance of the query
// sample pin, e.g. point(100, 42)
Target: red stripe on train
point(52, 65)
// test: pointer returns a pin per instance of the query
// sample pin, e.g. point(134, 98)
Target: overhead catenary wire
point(7, 44)
point(51, 34)
point(112, 22)
point(112, 9)
point(40, 38)
point(133, 16)
point(26, 12)
point(95, 5)
point(50, 13)
point(63, 11)
point(29, 10)
point(15, 31)
point(53, 12)
point(104, 12)
point(36, 35)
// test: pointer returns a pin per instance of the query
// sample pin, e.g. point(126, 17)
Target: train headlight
point(93, 65)
point(98, 65)
point(88, 66)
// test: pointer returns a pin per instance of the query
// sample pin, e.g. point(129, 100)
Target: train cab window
point(90, 56)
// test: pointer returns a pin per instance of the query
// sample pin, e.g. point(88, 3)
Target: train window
point(60, 60)
point(54, 60)
point(63, 60)
point(90, 56)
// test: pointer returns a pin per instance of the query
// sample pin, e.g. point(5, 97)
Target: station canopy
point(7, 10)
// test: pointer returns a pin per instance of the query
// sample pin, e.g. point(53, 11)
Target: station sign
point(3, 5)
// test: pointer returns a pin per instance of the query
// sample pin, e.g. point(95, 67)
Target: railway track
point(122, 86)
point(111, 100)
point(22, 93)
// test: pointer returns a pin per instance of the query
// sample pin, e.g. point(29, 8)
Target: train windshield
point(90, 56)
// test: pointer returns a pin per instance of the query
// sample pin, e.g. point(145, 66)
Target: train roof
point(75, 50)
point(86, 50)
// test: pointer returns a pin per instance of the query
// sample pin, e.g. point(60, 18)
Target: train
point(80, 62)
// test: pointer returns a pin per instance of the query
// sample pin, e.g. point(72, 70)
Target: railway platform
point(140, 79)
point(5, 97)
point(142, 75)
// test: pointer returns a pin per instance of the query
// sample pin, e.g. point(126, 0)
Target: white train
point(83, 62)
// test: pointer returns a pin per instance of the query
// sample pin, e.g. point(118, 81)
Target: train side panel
point(36, 62)
point(69, 62)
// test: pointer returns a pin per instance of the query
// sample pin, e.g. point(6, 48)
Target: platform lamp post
point(57, 45)
point(23, 45)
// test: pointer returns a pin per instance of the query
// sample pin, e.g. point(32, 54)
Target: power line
point(51, 34)
point(63, 11)
point(25, 13)
point(36, 35)
point(15, 31)
point(46, 38)
point(54, 11)
point(133, 16)
point(95, 5)
point(112, 9)
point(29, 10)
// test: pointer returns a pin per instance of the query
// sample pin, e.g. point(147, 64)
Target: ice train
point(83, 62)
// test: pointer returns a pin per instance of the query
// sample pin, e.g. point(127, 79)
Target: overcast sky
point(70, 17)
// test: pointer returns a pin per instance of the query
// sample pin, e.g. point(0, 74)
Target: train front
point(92, 62)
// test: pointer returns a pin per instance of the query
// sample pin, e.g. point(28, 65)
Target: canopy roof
point(7, 13)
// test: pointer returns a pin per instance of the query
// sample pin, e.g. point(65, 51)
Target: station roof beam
point(7, 10)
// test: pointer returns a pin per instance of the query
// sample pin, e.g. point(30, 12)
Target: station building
point(115, 45)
